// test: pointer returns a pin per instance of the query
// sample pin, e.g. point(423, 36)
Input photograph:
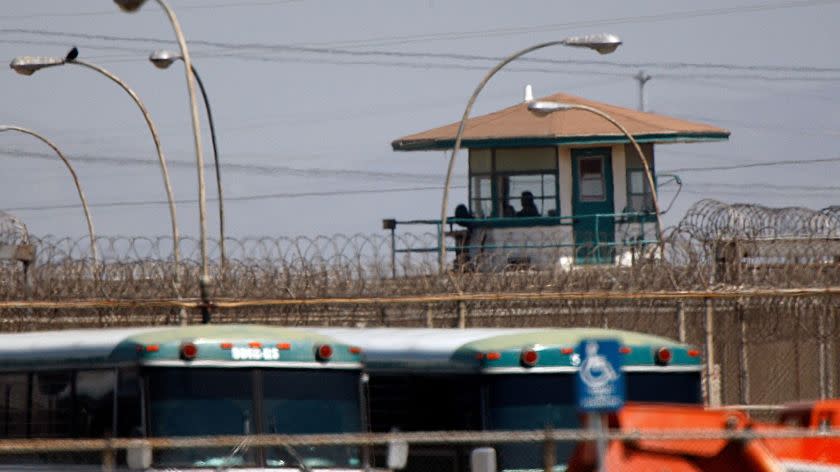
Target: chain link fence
point(549, 450)
point(757, 288)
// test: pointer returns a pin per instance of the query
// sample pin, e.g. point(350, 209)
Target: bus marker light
point(226, 346)
point(152, 348)
point(624, 350)
point(567, 351)
point(284, 346)
point(493, 356)
point(255, 344)
point(355, 350)
point(529, 357)
point(693, 353)
point(324, 352)
point(479, 356)
point(663, 356)
point(189, 351)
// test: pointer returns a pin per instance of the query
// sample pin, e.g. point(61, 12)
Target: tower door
point(593, 205)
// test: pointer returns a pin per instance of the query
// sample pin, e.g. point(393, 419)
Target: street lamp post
point(162, 59)
point(204, 280)
point(602, 43)
point(28, 65)
point(548, 107)
point(91, 233)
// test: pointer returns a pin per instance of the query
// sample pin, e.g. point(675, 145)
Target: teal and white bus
point(503, 379)
point(182, 381)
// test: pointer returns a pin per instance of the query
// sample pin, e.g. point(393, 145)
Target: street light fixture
point(162, 59)
point(602, 43)
point(204, 280)
point(544, 107)
point(85, 208)
point(28, 65)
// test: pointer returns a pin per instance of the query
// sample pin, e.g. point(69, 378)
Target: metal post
point(462, 314)
point(710, 352)
point(595, 423)
point(393, 254)
point(744, 379)
point(430, 320)
point(823, 351)
point(643, 78)
point(681, 335)
point(549, 451)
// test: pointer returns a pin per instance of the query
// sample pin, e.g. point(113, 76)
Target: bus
point(199, 380)
point(495, 379)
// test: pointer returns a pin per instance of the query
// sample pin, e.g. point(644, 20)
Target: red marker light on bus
point(152, 348)
point(226, 346)
point(355, 350)
point(284, 346)
point(693, 353)
point(479, 356)
point(529, 357)
point(255, 344)
point(663, 356)
point(624, 350)
point(189, 351)
point(324, 352)
point(493, 356)
point(568, 351)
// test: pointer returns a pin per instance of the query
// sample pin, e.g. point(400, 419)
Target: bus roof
point(215, 346)
point(498, 350)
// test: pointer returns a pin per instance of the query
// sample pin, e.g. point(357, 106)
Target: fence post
point(744, 360)
point(549, 451)
point(462, 314)
point(822, 354)
point(430, 319)
point(681, 321)
point(108, 459)
point(712, 398)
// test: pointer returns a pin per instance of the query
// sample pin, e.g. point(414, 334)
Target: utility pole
point(642, 78)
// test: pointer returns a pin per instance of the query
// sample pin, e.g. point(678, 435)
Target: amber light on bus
point(226, 346)
point(625, 350)
point(355, 350)
point(529, 357)
point(693, 353)
point(663, 356)
point(493, 356)
point(324, 352)
point(255, 345)
point(152, 348)
point(284, 346)
point(567, 351)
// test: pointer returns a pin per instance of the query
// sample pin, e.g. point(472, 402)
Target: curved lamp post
point(162, 59)
point(204, 281)
point(28, 65)
point(548, 107)
point(602, 43)
point(61, 156)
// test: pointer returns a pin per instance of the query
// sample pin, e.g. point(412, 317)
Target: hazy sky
point(301, 107)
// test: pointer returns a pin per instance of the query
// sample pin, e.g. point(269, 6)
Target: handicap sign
point(599, 381)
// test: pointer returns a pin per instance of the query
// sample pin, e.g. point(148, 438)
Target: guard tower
point(558, 187)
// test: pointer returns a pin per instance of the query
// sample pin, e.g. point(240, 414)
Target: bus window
point(95, 403)
point(130, 419)
point(52, 405)
point(664, 387)
point(527, 402)
point(14, 396)
point(311, 402)
point(200, 402)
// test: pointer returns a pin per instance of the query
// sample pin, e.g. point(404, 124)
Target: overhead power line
point(258, 169)
point(246, 198)
point(286, 48)
point(749, 165)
